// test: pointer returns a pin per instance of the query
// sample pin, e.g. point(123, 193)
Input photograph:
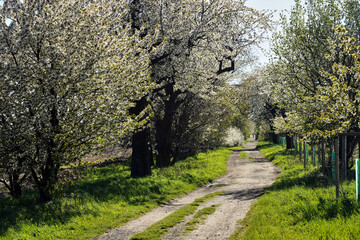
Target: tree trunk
point(14, 186)
point(163, 142)
point(289, 144)
point(48, 178)
point(141, 154)
point(141, 148)
point(163, 127)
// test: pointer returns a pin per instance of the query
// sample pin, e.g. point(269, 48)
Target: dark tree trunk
point(16, 179)
point(141, 148)
point(141, 154)
point(163, 142)
point(46, 176)
point(15, 186)
point(289, 144)
point(164, 129)
point(17, 191)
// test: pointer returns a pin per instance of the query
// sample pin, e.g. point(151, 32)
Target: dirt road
point(243, 183)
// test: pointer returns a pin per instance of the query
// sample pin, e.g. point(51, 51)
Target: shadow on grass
point(99, 186)
point(111, 183)
point(294, 175)
point(309, 180)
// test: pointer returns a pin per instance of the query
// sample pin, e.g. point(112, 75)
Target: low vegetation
point(301, 204)
point(200, 217)
point(158, 229)
point(243, 155)
point(104, 198)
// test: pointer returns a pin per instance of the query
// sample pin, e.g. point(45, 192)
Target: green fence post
point(333, 166)
point(314, 156)
point(357, 179)
point(307, 152)
point(304, 151)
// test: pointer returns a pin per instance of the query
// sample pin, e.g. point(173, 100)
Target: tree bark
point(289, 144)
point(163, 127)
point(141, 154)
point(141, 148)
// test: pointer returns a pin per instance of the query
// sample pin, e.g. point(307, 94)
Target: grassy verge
point(301, 204)
point(105, 198)
point(158, 229)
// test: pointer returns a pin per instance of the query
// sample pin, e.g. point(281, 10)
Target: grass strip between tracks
point(158, 229)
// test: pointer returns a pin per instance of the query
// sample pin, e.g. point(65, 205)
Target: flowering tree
point(202, 42)
point(315, 76)
point(70, 70)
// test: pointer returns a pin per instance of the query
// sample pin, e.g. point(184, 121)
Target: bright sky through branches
point(275, 5)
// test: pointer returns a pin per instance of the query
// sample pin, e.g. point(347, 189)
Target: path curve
point(243, 183)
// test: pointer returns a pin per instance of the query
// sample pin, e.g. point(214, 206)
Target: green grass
point(250, 159)
point(237, 148)
point(158, 229)
point(301, 204)
point(243, 155)
point(105, 198)
point(199, 218)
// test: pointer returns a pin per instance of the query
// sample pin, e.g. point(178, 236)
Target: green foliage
point(105, 198)
point(315, 69)
point(301, 204)
point(158, 229)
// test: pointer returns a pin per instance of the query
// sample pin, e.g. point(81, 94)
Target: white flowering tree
point(202, 43)
point(69, 70)
point(314, 75)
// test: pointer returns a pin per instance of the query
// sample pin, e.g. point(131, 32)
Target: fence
point(331, 155)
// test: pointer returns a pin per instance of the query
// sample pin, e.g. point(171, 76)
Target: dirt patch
point(243, 183)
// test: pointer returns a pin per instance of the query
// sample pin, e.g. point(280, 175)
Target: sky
point(277, 5)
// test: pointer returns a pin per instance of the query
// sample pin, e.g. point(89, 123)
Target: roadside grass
point(160, 228)
point(301, 204)
point(105, 198)
point(250, 159)
point(243, 155)
point(200, 217)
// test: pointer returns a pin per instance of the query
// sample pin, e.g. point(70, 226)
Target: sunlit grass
point(301, 204)
point(243, 155)
point(200, 217)
point(105, 198)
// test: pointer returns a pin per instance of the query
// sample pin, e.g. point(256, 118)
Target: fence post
point(345, 157)
point(333, 166)
point(337, 169)
point(296, 146)
point(323, 162)
point(305, 154)
point(357, 173)
point(314, 156)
